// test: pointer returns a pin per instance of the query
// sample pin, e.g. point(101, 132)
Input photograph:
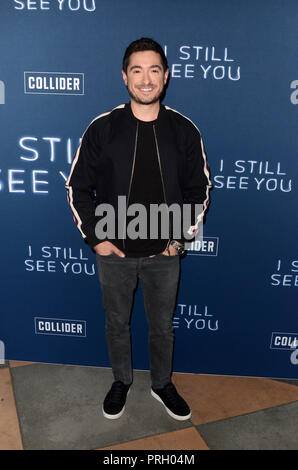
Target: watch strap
point(178, 248)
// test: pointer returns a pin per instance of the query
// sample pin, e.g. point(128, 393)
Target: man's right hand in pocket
point(107, 248)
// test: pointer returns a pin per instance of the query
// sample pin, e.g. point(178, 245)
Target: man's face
point(145, 78)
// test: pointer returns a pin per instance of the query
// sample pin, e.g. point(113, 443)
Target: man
point(150, 154)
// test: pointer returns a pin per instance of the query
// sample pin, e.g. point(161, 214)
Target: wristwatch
point(179, 248)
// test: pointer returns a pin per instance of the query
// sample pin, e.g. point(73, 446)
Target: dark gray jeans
point(159, 277)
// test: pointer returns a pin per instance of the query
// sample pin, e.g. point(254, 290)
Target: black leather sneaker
point(114, 402)
point(174, 404)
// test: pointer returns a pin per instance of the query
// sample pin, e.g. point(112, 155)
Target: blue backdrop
point(234, 73)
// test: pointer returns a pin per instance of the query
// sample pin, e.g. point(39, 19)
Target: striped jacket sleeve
point(81, 184)
point(197, 183)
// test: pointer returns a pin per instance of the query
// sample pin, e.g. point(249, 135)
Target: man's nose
point(146, 78)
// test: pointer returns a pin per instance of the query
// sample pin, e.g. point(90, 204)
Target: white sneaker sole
point(118, 415)
point(106, 415)
point(178, 417)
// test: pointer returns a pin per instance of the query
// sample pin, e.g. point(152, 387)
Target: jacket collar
point(131, 116)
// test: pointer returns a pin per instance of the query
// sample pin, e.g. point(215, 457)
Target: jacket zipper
point(162, 180)
point(131, 177)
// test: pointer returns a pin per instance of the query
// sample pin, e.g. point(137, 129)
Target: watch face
point(178, 248)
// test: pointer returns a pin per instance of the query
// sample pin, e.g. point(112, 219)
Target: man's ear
point(124, 77)
point(166, 76)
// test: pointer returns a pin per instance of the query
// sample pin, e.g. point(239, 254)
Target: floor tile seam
point(235, 376)
point(246, 414)
point(201, 437)
point(5, 365)
point(33, 363)
point(16, 407)
point(27, 366)
point(145, 437)
point(286, 381)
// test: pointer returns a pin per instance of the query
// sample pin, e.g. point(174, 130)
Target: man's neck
point(145, 112)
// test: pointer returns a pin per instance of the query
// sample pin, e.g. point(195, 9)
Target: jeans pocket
point(107, 256)
point(166, 256)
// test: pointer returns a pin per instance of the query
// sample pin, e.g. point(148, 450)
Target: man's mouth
point(146, 89)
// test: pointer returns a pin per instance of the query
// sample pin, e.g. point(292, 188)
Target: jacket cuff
point(92, 240)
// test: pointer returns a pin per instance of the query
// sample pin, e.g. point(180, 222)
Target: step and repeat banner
point(234, 73)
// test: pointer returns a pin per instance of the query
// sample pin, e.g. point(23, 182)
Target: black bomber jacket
point(102, 168)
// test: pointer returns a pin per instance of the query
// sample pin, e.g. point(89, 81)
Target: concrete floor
point(58, 407)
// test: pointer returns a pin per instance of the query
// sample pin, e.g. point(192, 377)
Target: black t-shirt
point(146, 189)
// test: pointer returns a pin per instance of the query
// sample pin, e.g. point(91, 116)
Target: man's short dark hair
point(144, 44)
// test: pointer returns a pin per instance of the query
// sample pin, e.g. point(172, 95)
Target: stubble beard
point(139, 100)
